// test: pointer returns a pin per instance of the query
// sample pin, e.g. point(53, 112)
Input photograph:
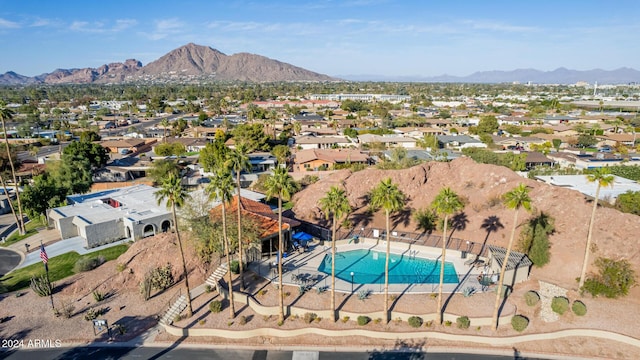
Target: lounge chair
point(472, 260)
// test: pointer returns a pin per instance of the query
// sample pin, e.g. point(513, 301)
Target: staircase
point(216, 276)
point(175, 309)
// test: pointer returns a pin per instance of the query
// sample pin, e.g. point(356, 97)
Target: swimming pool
point(368, 268)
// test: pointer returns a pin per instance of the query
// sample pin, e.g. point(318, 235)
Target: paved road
point(8, 260)
point(196, 354)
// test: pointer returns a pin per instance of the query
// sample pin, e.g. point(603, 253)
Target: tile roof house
point(460, 141)
point(264, 218)
point(314, 159)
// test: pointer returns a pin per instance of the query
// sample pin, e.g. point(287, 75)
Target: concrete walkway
point(62, 247)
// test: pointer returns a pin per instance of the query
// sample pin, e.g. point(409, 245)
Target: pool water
point(368, 268)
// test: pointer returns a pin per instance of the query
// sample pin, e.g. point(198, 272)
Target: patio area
point(300, 268)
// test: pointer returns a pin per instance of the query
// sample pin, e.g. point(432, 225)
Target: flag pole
point(45, 260)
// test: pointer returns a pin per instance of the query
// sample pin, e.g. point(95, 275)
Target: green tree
point(282, 153)
point(487, 125)
point(514, 199)
point(585, 140)
point(7, 114)
point(78, 150)
point(334, 205)
point(221, 188)
point(281, 185)
point(556, 144)
point(534, 238)
point(629, 202)
point(172, 190)
point(165, 124)
point(446, 203)
point(238, 160)
point(252, 135)
point(160, 169)
point(213, 154)
point(429, 141)
point(387, 196)
point(601, 177)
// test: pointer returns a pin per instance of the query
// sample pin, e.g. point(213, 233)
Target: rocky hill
point(190, 62)
point(615, 233)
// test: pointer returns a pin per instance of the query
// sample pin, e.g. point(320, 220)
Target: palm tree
point(514, 199)
point(334, 203)
point(238, 161)
point(387, 196)
point(221, 188)
point(602, 177)
point(172, 190)
point(165, 124)
point(446, 203)
point(281, 185)
point(7, 114)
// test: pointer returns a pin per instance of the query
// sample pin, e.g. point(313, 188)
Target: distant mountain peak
point(186, 63)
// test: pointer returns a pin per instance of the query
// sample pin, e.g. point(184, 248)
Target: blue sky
point(350, 37)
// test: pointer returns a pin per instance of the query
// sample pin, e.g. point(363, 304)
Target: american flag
point(43, 254)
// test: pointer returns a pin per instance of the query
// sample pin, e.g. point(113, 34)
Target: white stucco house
point(106, 216)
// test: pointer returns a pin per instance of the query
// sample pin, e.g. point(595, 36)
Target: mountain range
point(193, 63)
point(187, 63)
point(558, 76)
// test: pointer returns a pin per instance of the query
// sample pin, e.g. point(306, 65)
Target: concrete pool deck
point(301, 268)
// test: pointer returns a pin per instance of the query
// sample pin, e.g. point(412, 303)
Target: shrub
point(162, 277)
point(364, 294)
point(468, 291)
point(428, 323)
point(235, 266)
point(321, 289)
point(177, 318)
point(41, 286)
point(519, 323)
point(145, 287)
point(579, 308)
point(415, 321)
point(67, 310)
point(88, 264)
point(98, 296)
point(448, 323)
point(208, 288)
point(215, 306)
point(614, 279)
point(560, 304)
point(345, 319)
point(121, 329)
point(309, 317)
point(242, 320)
point(262, 292)
point(90, 315)
point(363, 320)
point(302, 289)
point(280, 322)
point(202, 322)
point(377, 321)
point(120, 267)
point(531, 298)
point(463, 322)
point(506, 290)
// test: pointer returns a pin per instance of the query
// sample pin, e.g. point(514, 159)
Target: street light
point(352, 282)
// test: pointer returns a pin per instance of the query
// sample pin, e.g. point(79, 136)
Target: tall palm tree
point(172, 190)
point(334, 204)
point(514, 199)
point(165, 124)
point(281, 185)
point(7, 114)
point(602, 177)
point(446, 203)
point(221, 188)
point(387, 196)
point(238, 160)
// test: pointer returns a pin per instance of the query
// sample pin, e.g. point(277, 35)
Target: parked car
point(110, 125)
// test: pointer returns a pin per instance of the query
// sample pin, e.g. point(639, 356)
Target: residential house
point(517, 142)
point(265, 220)
point(322, 142)
point(581, 184)
point(389, 141)
point(559, 119)
point(535, 159)
point(127, 145)
point(616, 139)
point(106, 216)
point(460, 141)
point(315, 159)
point(189, 143)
